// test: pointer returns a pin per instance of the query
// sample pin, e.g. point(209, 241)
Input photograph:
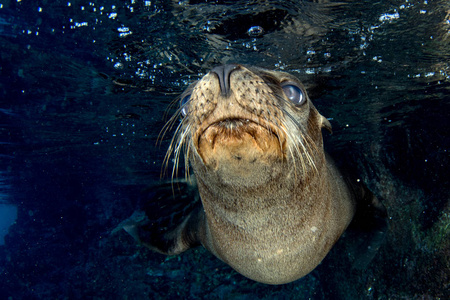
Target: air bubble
point(118, 66)
point(255, 31)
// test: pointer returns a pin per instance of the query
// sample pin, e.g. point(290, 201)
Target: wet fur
point(272, 202)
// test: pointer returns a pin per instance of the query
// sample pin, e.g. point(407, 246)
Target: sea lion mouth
point(235, 127)
point(239, 140)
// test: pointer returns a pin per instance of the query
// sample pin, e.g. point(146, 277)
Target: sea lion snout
point(229, 112)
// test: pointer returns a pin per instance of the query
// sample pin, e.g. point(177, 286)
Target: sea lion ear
point(326, 124)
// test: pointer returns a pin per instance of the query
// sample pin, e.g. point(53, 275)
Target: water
point(84, 90)
point(8, 215)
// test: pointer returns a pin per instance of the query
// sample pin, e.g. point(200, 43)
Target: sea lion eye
point(294, 93)
point(184, 105)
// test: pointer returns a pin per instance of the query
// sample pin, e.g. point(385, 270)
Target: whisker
point(168, 126)
point(306, 146)
point(171, 149)
point(279, 128)
point(172, 103)
point(180, 147)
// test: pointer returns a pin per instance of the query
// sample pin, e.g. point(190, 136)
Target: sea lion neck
point(269, 188)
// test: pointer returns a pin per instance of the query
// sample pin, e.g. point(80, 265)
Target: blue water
point(8, 215)
point(86, 87)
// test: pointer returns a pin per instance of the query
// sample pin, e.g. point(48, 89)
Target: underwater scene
point(100, 157)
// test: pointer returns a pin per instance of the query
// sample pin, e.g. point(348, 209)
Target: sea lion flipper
point(167, 218)
point(176, 239)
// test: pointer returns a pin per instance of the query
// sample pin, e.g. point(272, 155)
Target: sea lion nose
point(223, 73)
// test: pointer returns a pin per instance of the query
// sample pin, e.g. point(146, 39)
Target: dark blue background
point(86, 89)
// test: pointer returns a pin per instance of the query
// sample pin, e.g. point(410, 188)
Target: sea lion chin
point(272, 202)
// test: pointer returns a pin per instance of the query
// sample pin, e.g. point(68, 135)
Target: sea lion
point(273, 203)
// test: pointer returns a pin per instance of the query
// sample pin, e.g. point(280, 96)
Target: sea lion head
point(244, 126)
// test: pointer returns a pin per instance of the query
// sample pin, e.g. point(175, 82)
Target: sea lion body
point(273, 202)
point(273, 236)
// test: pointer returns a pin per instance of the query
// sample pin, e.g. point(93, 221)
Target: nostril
point(223, 73)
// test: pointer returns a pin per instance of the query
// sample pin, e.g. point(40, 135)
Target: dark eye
point(294, 93)
point(184, 105)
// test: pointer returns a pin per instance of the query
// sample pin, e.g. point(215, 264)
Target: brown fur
point(273, 202)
